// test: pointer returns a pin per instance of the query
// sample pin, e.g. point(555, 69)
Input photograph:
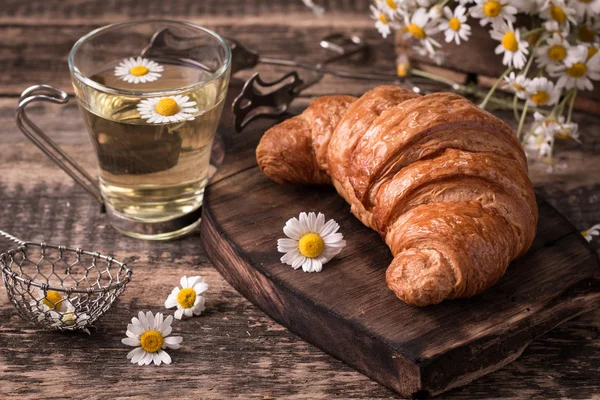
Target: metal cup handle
point(47, 145)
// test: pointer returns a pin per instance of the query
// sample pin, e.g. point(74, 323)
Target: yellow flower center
point(518, 87)
point(562, 136)
point(557, 52)
point(492, 8)
point(402, 70)
point(186, 297)
point(167, 107)
point(509, 41)
point(591, 52)
point(138, 70)
point(151, 341)
point(558, 14)
point(311, 245)
point(454, 24)
point(415, 30)
point(584, 233)
point(540, 98)
point(585, 34)
point(577, 70)
point(391, 4)
point(383, 18)
point(52, 299)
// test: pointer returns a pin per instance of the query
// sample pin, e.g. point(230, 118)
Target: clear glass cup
point(151, 94)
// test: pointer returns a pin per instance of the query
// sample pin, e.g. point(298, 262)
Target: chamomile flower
point(45, 302)
point(588, 32)
point(435, 12)
point(542, 92)
point(578, 71)
point(188, 300)
point(160, 110)
point(421, 27)
point(138, 70)
point(558, 11)
point(454, 25)
point(517, 84)
point(589, 234)
point(514, 49)
point(149, 334)
point(493, 11)
point(70, 318)
point(553, 52)
point(389, 7)
point(583, 8)
point(311, 242)
point(554, 28)
point(383, 21)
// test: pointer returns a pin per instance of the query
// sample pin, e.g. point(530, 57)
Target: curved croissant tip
point(421, 277)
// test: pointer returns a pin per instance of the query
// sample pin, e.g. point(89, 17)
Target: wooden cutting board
point(347, 309)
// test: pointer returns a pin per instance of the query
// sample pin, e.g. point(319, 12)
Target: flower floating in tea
point(188, 300)
point(138, 70)
point(311, 242)
point(160, 110)
point(149, 333)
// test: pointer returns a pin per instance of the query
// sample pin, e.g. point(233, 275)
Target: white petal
point(136, 329)
point(307, 265)
point(193, 280)
point(183, 282)
point(143, 320)
point(200, 288)
point(165, 357)
point(188, 312)
point(284, 245)
point(171, 301)
point(130, 341)
point(146, 360)
point(172, 342)
point(179, 313)
point(150, 319)
point(156, 358)
point(135, 354)
point(330, 227)
point(165, 328)
point(293, 229)
point(137, 357)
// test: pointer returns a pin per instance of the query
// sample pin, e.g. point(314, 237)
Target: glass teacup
point(151, 94)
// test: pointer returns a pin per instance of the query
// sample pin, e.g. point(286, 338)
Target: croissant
point(443, 182)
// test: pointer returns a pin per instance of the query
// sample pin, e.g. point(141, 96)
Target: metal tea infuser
point(58, 287)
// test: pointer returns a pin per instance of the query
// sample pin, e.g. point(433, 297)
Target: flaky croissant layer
point(443, 182)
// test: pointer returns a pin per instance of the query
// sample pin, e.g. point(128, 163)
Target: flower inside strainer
point(61, 288)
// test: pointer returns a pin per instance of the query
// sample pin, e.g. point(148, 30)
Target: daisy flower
point(311, 242)
point(50, 300)
point(149, 334)
point(389, 7)
point(493, 11)
point(554, 27)
point(559, 11)
point(588, 32)
point(585, 8)
point(592, 231)
point(542, 92)
point(188, 300)
point(159, 110)
point(454, 25)
point(138, 70)
point(577, 70)
point(383, 21)
point(70, 318)
point(435, 12)
point(553, 52)
point(517, 84)
point(567, 131)
point(421, 27)
point(514, 49)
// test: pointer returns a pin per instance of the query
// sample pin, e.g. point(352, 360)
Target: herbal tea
point(153, 152)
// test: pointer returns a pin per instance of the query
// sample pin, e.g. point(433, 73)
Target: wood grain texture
point(234, 350)
point(348, 311)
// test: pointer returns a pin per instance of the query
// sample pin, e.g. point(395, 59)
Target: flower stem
point(493, 88)
point(433, 77)
point(522, 121)
point(533, 31)
point(514, 107)
point(571, 105)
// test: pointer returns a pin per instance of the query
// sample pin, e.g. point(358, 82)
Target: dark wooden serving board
point(347, 309)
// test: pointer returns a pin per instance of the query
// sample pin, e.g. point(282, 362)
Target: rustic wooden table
point(233, 350)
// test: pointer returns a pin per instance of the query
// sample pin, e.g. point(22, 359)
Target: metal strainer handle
point(11, 237)
point(47, 145)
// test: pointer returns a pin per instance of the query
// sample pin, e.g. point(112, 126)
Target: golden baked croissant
point(443, 182)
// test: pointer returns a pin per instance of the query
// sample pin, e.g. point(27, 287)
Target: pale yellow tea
point(153, 152)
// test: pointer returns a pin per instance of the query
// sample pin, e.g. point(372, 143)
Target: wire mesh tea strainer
point(61, 288)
